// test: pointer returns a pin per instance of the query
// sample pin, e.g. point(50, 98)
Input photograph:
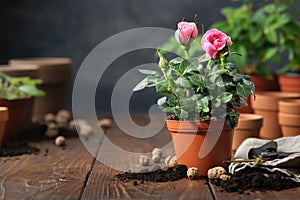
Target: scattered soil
point(156, 175)
point(20, 145)
point(255, 179)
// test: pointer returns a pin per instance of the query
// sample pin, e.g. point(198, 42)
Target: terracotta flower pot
point(248, 126)
point(201, 144)
point(290, 83)
point(55, 73)
point(261, 84)
point(3, 120)
point(266, 105)
point(17, 111)
point(31, 71)
point(289, 117)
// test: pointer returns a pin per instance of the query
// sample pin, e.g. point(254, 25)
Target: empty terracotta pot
point(290, 83)
point(3, 120)
point(266, 105)
point(55, 73)
point(248, 126)
point(201, 144)
point(261, 84)
point(289, 117)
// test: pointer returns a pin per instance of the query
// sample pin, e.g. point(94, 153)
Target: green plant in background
point(264, 35)
point(12, 88)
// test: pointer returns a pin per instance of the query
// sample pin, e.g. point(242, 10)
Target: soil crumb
point(158, 175)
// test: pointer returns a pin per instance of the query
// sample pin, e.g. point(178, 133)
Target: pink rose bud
point(186, 32)
point(214, 42)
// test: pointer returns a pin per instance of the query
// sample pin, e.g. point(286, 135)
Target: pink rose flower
point(186, 32)
point(214, 41)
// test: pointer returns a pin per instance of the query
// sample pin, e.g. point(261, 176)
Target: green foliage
point(12, 88)
point(263, 35)
point(199, 88)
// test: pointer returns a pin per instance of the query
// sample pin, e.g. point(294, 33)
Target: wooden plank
point(102, 183)
point(289, 194)
point(60, 174)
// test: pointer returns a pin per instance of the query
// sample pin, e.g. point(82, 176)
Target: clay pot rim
point(20, 67)
point(42, 60)
point(288, 119)
point(293, 102)
point(189, 126)
point(249, 121)
point(278, 94)
point(3, 114)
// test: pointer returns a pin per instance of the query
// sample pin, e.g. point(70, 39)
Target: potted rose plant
point(201, 96)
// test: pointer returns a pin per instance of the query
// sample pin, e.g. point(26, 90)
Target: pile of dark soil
point(20, 145)
point(158, 175)
point(255, 179)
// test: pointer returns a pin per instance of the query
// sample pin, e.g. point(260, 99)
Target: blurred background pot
point(27, 70)
point(3, 120)
point(249, 125)
point(290, 82)
point(266, 105)
point(56, 74)
point(17, 111)
point(289, 117)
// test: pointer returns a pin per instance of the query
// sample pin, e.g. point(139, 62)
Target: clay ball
point(156, 158)
point(224, 177)
point(173, 162)
point(52, 130)
point(157, 151)
point(60, 141)
point(144, 160)
point(49, 117)
point(193, 173)
point(215, 172)
point(64, 114)
point(105, 123)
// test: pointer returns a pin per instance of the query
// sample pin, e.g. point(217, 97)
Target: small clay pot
point(55, 73)
point(289, 117)
point(17, 111)
point(3, 120)
point(248, 126)
point(261, 84)
point(201, 144)
point(266, 105)
point(31, 71)
point(290, 82)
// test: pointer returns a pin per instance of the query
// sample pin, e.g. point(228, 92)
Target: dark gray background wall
point(72, 28)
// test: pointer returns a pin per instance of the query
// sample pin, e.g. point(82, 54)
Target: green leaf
point(226, 97)
point(141, 85)
point(243, 90)
point(162, 87)
point(183, 114)
point(271, 36)
point(176, 61)
point(147, 71)
point(161, 101)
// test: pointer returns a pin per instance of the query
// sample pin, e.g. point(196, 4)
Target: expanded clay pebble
point(64, 114)
point(192, 173)
point(49, 117)
point(72, 125)
point(224, 177)
point(156, 158)
point(173, 162)
point(144, 160)
point(61, 121)
point(157, 151)
point(85, 130)
point(215, 172)
point(60, 141)
point(52, 130)
point(105, 123)
point(167, 160)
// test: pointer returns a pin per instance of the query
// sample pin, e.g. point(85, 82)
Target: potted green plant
point(263, 34)
point(15, 94)
point(201, 94)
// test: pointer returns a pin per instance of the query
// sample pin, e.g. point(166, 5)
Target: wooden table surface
point(73, 173)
